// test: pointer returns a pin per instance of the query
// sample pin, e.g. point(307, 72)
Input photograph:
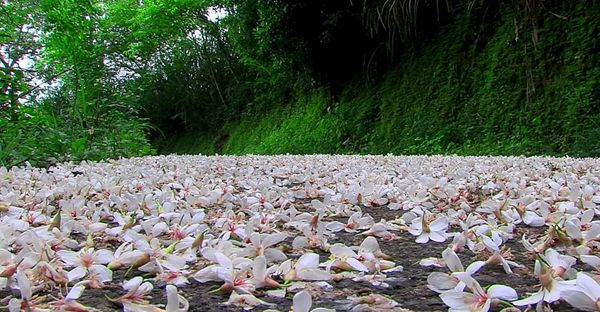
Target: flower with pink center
point(260, 274)
point(305, 269)
point(344, 258)
point(500, 258)
point(427, 227)
point(158, 257)
point(136, 298)
point(69, 302)
point(28, 301)
point(173, 278)
point(582, 227)
point(84, 261)
point(441, 282)
point(231, 228)
point(560, 264)
point(177, 234)
point(137, 290)
point(227, 270)
point(373, 258)
point(262, 245)
point(246, 301)
point(478, 299)
point(550, 289)
point(354, 223)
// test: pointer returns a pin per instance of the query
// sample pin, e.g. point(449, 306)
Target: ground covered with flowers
point(368, 233)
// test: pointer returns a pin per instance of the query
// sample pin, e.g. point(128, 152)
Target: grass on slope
point(463, 92)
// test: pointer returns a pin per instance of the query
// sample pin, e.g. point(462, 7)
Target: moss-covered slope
point(481, 85)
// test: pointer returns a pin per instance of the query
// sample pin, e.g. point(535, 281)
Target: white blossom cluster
point(271, 223)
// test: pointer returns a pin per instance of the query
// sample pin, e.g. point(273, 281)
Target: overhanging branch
point(28, 92)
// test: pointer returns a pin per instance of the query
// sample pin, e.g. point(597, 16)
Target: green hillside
point(472, 88)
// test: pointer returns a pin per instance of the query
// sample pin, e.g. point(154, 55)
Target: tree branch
point(26, 93)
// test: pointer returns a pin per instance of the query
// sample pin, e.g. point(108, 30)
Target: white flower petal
point(551, 256)
point(553, 294)
point(313, 275)
point(506, 266)
point(224, 261)
point(502, 292)
point(437, 236)
point(175, 302)
point(469, 282)
point(422, 239)
point(431, 261)
point(103, 273)
point(76, 291)
point(452, 261)
point(533, 299)
point(70, 258)
point(302, 301)
point(342, 250)
point(593, 261)
point(589, 286)
point(489, 243)
point(273, 239)
point(275, 255)
point(130, 257)
point(159, 228)
point(97, 227)
point(145, 288)
point(370, 244)
point(458, 301)
point(174, 263)
point(77, 273)
point(532, 219)
point(24, 285)
point(14, 305)
point(440, 282)
point(440, 224)
point(308, 260)
point(285, 266)
point(593, 233)
point(474, 267)
point(414, 231)
point(103, 256)
point(300, 242)
point(573, 230)
point(276, 293)
point(207, 274)
point(245, 300)
point(579, 300)
point(357, 265)
point(335, 226)
point(133, 283)
point(259, 269)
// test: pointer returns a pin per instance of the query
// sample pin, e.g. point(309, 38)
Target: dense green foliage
point(459, 91)
point(43, 137)
point(256, 76)
point(70, 105)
